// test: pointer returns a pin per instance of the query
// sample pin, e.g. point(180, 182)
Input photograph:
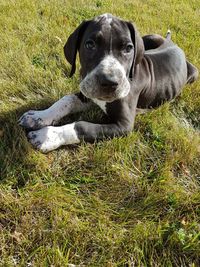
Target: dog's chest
point(101, 104)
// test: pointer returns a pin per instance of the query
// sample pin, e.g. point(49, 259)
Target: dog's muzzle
point(107, 81)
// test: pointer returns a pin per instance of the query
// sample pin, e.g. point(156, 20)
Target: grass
point(131, 201)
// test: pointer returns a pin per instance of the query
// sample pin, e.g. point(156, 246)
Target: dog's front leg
point(37, 119)
point(50, 137)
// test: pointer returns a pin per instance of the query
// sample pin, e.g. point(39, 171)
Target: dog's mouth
point(101, 95)
point(113, 96)
point(107, 99)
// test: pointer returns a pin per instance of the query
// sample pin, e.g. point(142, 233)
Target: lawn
point(131, 201)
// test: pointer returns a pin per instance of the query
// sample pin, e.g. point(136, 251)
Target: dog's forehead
point(106, 23)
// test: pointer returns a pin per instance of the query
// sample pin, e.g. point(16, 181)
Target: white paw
point(35, 119)
point(47, 138)
point(50, 138)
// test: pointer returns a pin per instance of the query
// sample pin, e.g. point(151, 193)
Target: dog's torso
point(166, 71)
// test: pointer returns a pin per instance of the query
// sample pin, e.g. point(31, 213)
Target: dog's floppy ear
point(138, 45)
point(72, 45)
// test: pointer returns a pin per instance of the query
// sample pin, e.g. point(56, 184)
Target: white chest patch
point(100, 103)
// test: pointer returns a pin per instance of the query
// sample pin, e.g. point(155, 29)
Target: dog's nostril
point(106, 81)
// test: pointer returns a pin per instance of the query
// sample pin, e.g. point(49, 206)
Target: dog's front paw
point(34, 120)
point(47, 138)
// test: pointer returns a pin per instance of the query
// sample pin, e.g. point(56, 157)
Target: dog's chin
point(107, 97)
point(111, 98)
point(115, 96)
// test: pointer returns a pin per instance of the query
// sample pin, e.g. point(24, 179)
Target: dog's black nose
point(107, 81)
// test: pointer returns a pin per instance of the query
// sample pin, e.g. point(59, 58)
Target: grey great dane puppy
point(120, 72)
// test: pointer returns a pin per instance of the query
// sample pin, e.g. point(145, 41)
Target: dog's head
point(109, 49)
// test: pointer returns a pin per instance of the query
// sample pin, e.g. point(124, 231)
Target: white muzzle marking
point(109, 66)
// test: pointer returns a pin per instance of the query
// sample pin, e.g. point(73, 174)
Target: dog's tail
point(168, 35)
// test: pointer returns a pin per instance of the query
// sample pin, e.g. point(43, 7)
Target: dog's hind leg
point(192, 73)
point(152, 41)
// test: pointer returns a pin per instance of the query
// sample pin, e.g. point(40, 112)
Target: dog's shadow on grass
point(14, 146)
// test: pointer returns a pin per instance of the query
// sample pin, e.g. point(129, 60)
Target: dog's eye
point(128, 48)
point(90, 44)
